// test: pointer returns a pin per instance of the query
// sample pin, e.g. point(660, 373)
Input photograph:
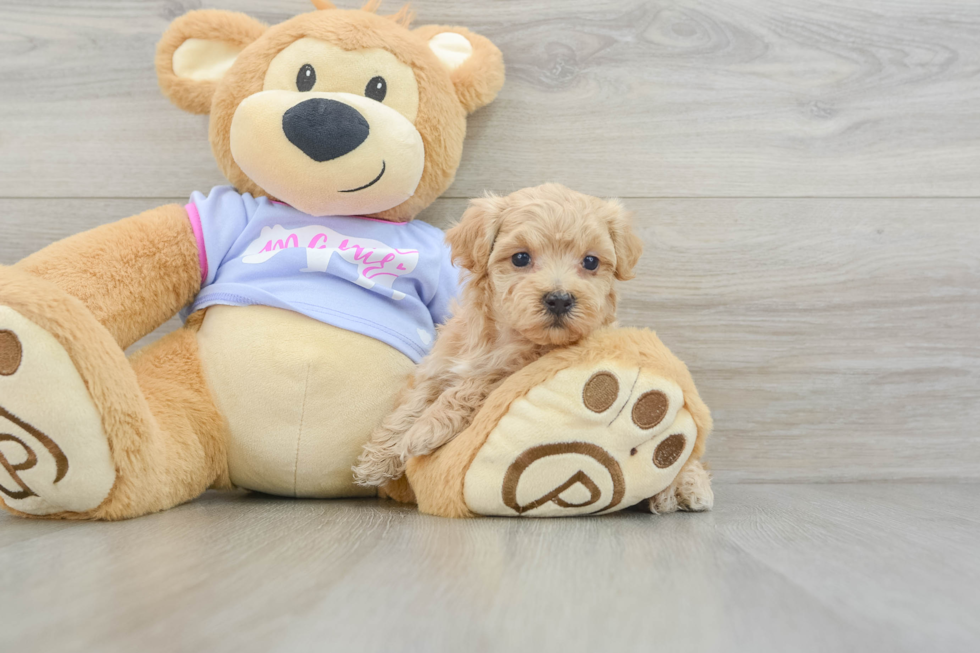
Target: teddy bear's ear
point(472, 238)
point(197, 50)
point(475, 64)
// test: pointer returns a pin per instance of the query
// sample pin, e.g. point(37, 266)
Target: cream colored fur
point(500, 324)
point(204, 60)
point(394, 147)
point(301, 397)
point(553, 413)
point(69, 430)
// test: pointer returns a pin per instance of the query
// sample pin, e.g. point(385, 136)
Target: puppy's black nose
point(558, 303)
point(325, 129)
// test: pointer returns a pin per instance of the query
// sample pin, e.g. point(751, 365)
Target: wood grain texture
point(773, 568)
point(832, 339)
point(635, 98)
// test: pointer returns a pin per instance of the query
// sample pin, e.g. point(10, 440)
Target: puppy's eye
point(521, 259)
point(305, 78)
point(376, 89)
point(590, 262)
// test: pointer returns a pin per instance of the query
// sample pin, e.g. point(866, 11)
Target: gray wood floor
point(806, 177)
point(833, 567)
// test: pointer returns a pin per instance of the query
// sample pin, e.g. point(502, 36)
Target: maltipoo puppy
point(540, 267)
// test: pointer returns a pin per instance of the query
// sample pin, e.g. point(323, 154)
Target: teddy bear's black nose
point(325, 129)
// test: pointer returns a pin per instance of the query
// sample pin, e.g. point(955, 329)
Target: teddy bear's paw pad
point(54, 455)
point(589, 440)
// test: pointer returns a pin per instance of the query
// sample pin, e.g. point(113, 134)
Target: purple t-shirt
point(390, 281)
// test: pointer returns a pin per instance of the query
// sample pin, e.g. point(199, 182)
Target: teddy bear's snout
point(325, 129)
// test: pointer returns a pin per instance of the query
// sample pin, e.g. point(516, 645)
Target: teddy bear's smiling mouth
point(369, 184)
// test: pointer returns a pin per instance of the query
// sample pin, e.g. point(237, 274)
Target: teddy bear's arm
point(132, 275)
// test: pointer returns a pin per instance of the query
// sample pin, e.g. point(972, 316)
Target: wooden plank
point(635, 98)
point(773, 568)
point(833, 339)
point(876, 553)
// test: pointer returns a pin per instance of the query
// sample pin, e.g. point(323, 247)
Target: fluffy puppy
point(540, 267)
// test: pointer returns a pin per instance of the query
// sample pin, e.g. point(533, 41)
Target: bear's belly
point(301, 397)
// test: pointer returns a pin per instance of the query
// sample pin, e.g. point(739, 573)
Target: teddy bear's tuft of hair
point(403, 16)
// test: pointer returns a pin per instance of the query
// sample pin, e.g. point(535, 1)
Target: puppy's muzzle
point(558, 304)
point(325, 129)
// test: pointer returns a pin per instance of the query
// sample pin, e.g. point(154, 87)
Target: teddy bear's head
point(336, 112)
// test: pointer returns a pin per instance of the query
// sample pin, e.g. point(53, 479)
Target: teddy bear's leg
point(84, 434)
point(595, 428)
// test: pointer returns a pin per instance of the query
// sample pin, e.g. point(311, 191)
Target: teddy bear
point(309, 293)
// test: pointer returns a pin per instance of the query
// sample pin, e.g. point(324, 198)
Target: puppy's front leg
point(380, 460)
point(446, 418)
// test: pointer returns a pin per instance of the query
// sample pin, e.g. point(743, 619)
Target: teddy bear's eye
point(376, 89)
point(590, 262)
point(521, 259)
point(305, 78)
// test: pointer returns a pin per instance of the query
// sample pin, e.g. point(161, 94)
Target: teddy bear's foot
point(54, 453)
point(589, 440)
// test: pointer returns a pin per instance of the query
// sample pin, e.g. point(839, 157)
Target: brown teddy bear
point(309, 294)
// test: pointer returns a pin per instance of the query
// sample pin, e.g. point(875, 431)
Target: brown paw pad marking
point(30, 460)
point(600, 392)
point(668, 451)
point(597, 453)
point(11, 352)
point(650, 408)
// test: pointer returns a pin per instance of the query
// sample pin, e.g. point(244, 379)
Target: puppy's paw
point(693, 486)
point(589, 440)
point(377, 466)
point(690, 491)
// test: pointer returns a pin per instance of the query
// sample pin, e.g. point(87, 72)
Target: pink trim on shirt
point(202, 256)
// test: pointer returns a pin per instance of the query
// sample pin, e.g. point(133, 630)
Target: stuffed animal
point(309, 294)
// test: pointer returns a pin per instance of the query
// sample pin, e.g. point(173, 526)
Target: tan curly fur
point(501, 324)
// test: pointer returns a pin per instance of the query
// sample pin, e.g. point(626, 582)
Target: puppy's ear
point(626, 243)
point(475, 65)
point(472, 238)
point(197, 50)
